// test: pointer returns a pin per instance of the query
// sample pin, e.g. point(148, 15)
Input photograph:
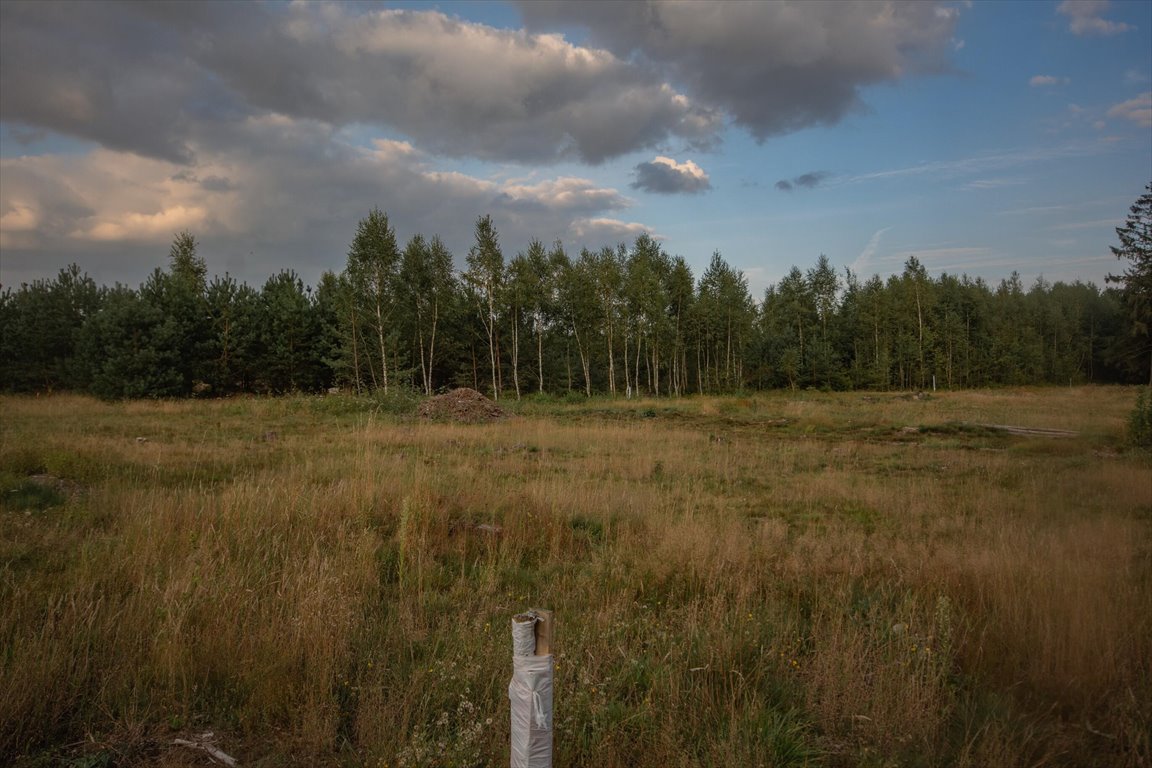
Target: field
point(780, 580)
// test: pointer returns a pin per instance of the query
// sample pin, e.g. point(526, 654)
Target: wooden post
point(543, 633)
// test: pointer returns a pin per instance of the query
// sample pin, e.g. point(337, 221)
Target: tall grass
point(775, 581)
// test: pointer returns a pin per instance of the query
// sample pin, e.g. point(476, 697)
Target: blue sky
point(981, 138)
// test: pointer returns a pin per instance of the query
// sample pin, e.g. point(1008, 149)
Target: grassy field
point(778, 580)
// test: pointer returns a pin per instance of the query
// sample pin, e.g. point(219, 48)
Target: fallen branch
point(202, 742)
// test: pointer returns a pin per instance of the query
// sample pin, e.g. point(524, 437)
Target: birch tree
point(485, 276)
point(577, 289)
point(373, 262)
point(531, 285)
point(426, 282)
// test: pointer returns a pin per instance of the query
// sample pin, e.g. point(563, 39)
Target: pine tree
point(1136, 281)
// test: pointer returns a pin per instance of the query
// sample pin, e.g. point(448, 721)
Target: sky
point(982, 138)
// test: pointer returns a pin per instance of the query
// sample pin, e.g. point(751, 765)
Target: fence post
point(530, 691)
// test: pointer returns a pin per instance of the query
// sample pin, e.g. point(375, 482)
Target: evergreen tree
point(126, 348)
point(232, 344)
point(41, 325)
point(1136, 280)
point(289, 334)
point(181, 297)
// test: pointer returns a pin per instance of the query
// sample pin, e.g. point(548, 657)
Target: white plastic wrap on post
point(524, 634)
point(530, 694)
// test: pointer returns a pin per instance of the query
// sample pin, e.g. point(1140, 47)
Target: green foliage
point(785, 738)
point(289, 336)
point(29, 494)
point(1136, 281)
point(371, 274)
point(485, 281)
point(1140, 420)
point(397, 401)
point(622, 321)
point(426, 287)
point(42, 323)
point(185, 266)
point(127, 350)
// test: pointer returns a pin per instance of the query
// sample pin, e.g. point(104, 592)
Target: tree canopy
point(628, 319)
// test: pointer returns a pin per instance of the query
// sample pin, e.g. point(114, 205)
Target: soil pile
point(462, 404)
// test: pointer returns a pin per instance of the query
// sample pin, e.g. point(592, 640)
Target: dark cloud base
point(665, 179)
point(809, 180)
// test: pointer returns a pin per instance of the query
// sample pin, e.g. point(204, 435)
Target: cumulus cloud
point(293, 196)
point(138, 77)
point(1138, 110)
point(1041, 81)
point(773, 67)
point(602, 229)
point(1084, 18)
point(665, 176)
point(809, 180)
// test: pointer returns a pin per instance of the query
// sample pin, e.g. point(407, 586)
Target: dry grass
point(775, 580)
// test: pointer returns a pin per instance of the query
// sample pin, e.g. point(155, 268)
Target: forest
point(622, 321)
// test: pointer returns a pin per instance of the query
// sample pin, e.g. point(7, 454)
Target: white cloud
point(608, 230)
point(1040, 81)
point(951, 169)
point(868, 254)
point(993, 183)
point(1138, 110)
point(951, 259)
point(18, 217)
point(293, 196)
point(150, 227)
point(1085, 18)
point(1096, 224)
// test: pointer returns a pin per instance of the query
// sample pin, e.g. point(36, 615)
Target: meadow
point(786, 579)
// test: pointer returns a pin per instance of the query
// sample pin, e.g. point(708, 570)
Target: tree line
point(623, 321)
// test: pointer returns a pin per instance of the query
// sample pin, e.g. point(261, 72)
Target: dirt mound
point(460, 405)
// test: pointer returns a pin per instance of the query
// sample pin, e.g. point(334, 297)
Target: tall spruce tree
point(1136, 280)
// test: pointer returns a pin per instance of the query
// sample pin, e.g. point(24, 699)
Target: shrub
point(1140, 421)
